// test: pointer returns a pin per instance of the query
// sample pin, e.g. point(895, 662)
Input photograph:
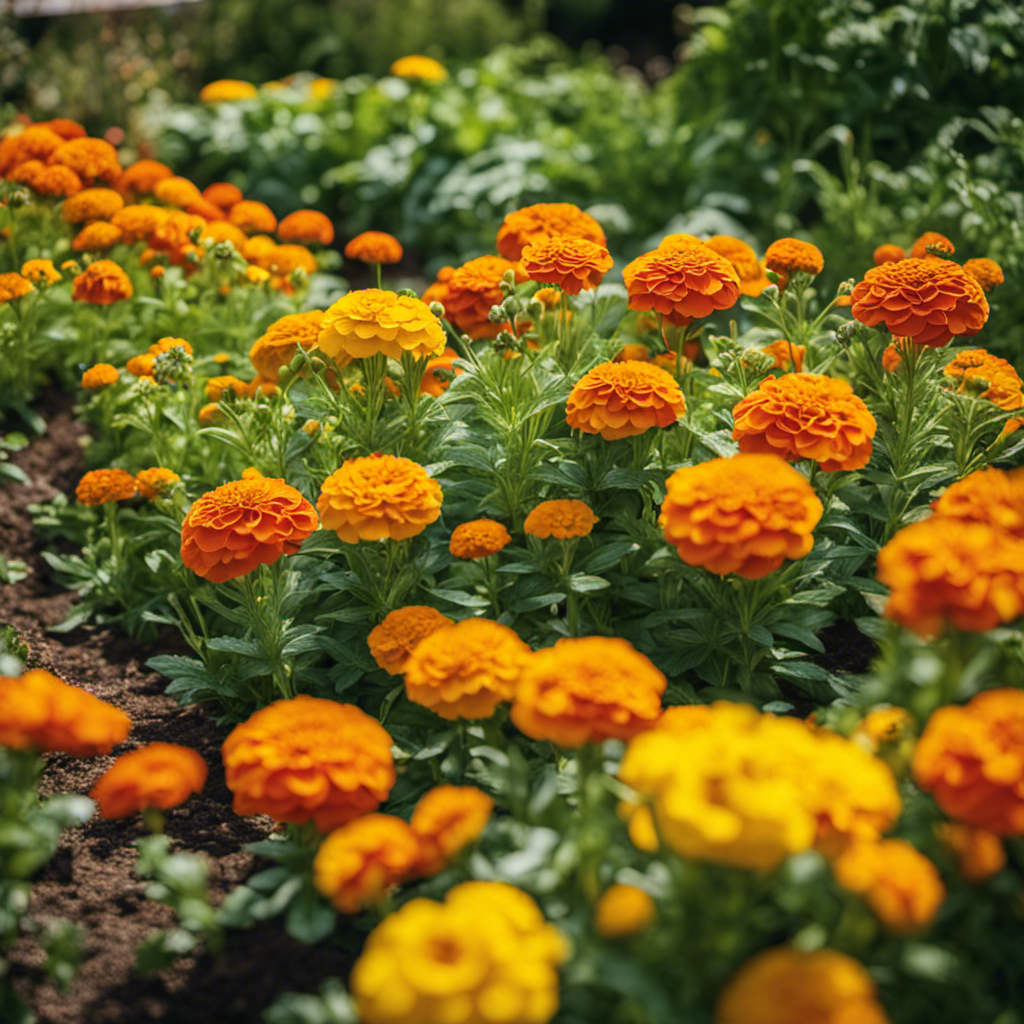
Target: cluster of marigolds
point(723, 783)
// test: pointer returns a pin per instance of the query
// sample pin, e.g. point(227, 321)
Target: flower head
point(99, 236)
point(979, 853)
point(156, 481)
point(91, 159)
point(225, 195)
point(888, 253)
point(543, 221)
point(160, 776)
point(253, 217)
point(623, 910)
point(40, 272)
point(366, 322)
point(976, 366)
point(92, 204)
point(478, 539)
point(57, 181)
point(14, 286)
point(471, 291)
point(309, 227)
point(417, 66)
point(986, 272)
point(744, 259)
point(789, 256)
point(100, 376)
point(563, 518)
point(993, 496)
point(309, 759)
point(278, 344)
point(374, 247)
point(141, 177)
point(446, 820)
point(36, 142)
point(787, 356)
point(682, 282)
point(138, 223)
point(177, 191)
point(102, 485)
point(101, 284)
point(574, 264)
point(919, 250)
point(439, 373)
point(396, 637)
point(622, 399)
point(227, 90)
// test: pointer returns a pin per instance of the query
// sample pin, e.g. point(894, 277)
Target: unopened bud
point(495, 315)
point(318, 364)
point(297, 361)
point(437, 309)
point(223, 250)
point(284, 376)
point(408, 293)
point(846, 287)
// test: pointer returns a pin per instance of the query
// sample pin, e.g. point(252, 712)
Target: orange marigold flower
point(439, 373)
point(358, 863)
point(14, 286)
point(40, 711)
point(446, 820)
point(787, 356)
point(478, 539)
point(745, 514)
point(142, 176)
point(223, 194)
point(91, 159)
point(57, 181)
point(465, 670)
point(310, 227)
point(40, 272)
point(309, 759)
point(396, 637)
point(930, 301)
point(166, 344)
point(787, 986)
point(99, 486)
point(253, 217)
point(100, 376)
point(551, 298)
point(471, 291)
point(574, 264)
point(587, 690)
point(64, 127)
point(990, 495)
point(216, 386)
point(979, 854)
point(971, 759)
point(36, 142)
point(137, 223)
point(919, 250)
point(806, 416)
point(374, 247)
point(634, 352)
point(940, 570)
point(888, 253)
point(156, 481)
point(227, 90)
point(623, 910)
point(789, 256)
point(278, 344)
point(26, 173)
point(225, 231)
point(284, 259)
point(883, 726)
point(891, 358)
point(379, 496)
point(176, 191)
point(141, 365)
point(681, 282)
point(416, 66)
point(563, 518)
point(744, 259)
point(96, 237)
point(986, 272)
point(542, 221)
point(258, 249)
point(102, 283)
point(978, 367)
point(240, 525)
point(624, 399)
point(369, 321)
point(209, 414)
point(159, 775)
point(92, 204)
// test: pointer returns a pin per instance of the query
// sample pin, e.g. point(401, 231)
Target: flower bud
point(437, 309)
point(846, 287)
point(284, 376)
point(408, 292)
point(495, 315)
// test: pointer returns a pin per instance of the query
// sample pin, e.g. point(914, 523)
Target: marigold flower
point(941, 570)
point(227, 90)
point(101, 284)
point(439, 373)
point(253, 217)
point(472, 290)
point(176, 191)
point(36, 142)
point(222, 194)
point(209, 414)
point(465, 670)
point(789, 256)
point(102, 485)
point(159, 775)
point(396, 637)
point(96, 237)
point(883, 726)
point(971, 759)
point(478, 539)
point(543, 221)
point(224, 231)
point(358, 863)
point(91, 159)
point(309, 759)
point(446, 820)
point(156, 481)
point(278, 344)
point(979, 854)
point(257, 275)
point(42, 712)
point(891, 358)
point(231, 530)
point(310, 227)
point(141, 177)
point(416, 66)
point(374, 247)
point(787, 356)
point(888, 253)
point(57, 181)
point(26, 173)
point(587, 690)
point(787, 986)
point(744, 259)
point(100, 376)
point(216, 386)
point(138, 223)
point(40, 272)
point(975, 366)
point(574, 264)
point(624, 399)
point(745, 514)
point(986, 272)
point(91, 204)
point(682, 282)
point(623, 910)
point(919, 250)
point(930, 301)
point(14, 286)
point(366, 322)
point(806, 416)
point(990, 495)
point(563, 518)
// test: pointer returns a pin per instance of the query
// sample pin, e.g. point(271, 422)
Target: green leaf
point(581, 583)
point(310, 918)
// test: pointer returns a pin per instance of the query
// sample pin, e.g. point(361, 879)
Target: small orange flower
point(990, 495)
point(744, 259)
point(278, 344)
point(309, 759)
point(176, 191)
point(374, 247)
point(478, 539)
point(891, 358)
point(225, 231)
point(102, 485)
point(416, 66)
point(310, 227)
point(472, 290)
point(919, 250)
point(930, 301)
point(976, 366)
point(542, 221)
point(253, 217)
point(99, 236)
point(439, 373)
point(285, 259)
point(100, 376)
point(446, 820)
point(806, 416)
point(227, 90)
point(41, 712)
point(623, 910)
point(574, 264)
point(141, 365)
point(884, 726)
point(92, 204)
point(209, 414)
point(986, 272)
point(396, 637)
point(141, 177)
point(979, 854)
point(746, 514)
point(65, 127)
point(564, 518)
point(160, 776)
point(624, 399)
point(138, 223)
point(40, 272)
point(789, 256)
point(465, 670)
point(36, 142)
point(101, 284)
point(91, 159)
point(888, 253)
point(231, 530)
point(787, 356)
point(587, 690)
point(369, 321)
point(222, 194)
point(682, 282)
point(156, 481)
point(14, 286)
point(216, 386)
point(58, 181)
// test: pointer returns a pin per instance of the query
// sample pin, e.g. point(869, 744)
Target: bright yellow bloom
point(366, 322)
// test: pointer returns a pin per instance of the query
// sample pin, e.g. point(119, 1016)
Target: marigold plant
point(478, 539)
point(446, 820)
point(98, 236)
point(542, 221)
point(374, 247)
point(156, 481)
point(366, 322)
point(439, 373)
point(92, 204)
point(562, 518)
point(102, 485)
point(991, 495)
point(623, 399)
point(973, 369)
point(158, 776)
point(574, 264)
point(141, 177)
point(101, 284)
point(91, 159)
point(744, 259)
point(787, 356)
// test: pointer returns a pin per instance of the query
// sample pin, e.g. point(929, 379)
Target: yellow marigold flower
point(787, 356)
point(209, 414)
point(888, 253)
point(374, 247)
point(971, 760)
point(542, 221)
point(14, 286)
point(285, 259)
point(253, 217)
point(138, 223)
point(563, 518)
point(574, 264)
point(624, 399)
point(224, 195)
point(416, 66)
point(258, 249)
point(478, 539)
point(216, 386)
point(358, 863)
point(744, 259)
point(976, 366)
point(465, 670)
point(446, 820)
point(102, 485)
point(587, 690)
point(883, 726)
point(979, 854)
point(100, 376)
point(986, 272)
point(309, 227)
point(159, 775)
point(227, 90)
point(257, 275)
point(92, 204)
point(941, 570)
point(142, 176)
point(484, 956)
point(40, 272)
point(635, 352)
point(919, 250)
point(787, 986)
point(789, 256)
point(101, 284)
point(990, 495)
point(396, 637)
point(91, 159)
point(681, 282)
point(930, 301)
point(623, 910)
point(806, 416)
point(471, 291)
point(745, 514)
point(309, 759)
point(366, 322)
point(166, 344)
point(156, 481)
point(232, 529)
point(41, 712)
point(96, 237)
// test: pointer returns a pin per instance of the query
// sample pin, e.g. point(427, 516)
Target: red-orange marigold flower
point(623, 399)
point(990, 495)
point(101, 284)
point(446, 820)
point(478, 539)
point(91, 159)
point(986, 272)
point(574, 264)
point(310, 227)
point(57, 181)
point(888, 253)
point(919, 250)
point(222, 194)
point(102, 485)
point(141, 177)
point(374, 247)
point(253, 217)
point(396, 637)
point(563, 518)
point(159, 776)
point(542, 221)
point(100, 376)
point(976, 366)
